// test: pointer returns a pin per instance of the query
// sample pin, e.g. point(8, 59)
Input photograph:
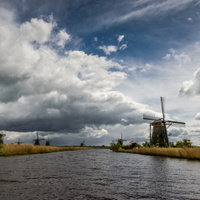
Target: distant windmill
point(82, 143)
point(1, 137)
point(19, 142)
point(159, 137)
point(37, 140)
point(120, 141)
point(48, 142)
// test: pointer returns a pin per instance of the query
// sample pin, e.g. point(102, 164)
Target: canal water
point(97, 174)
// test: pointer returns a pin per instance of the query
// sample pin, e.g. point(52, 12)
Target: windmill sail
point(149, 117)
point(162, 107)
point(175, 123)
point(164, 133)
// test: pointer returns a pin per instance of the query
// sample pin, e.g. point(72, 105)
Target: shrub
point(184, 143)
point(115, 147)
point(146, 144)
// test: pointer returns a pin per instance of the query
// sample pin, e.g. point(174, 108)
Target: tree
point(184, 143)
point(187, 142)
point(171, 144)
point(146, 144)
point(114, 147)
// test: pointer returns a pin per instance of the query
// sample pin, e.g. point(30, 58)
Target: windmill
point(19, 142)
point(159, 137)
point(120, 141)
point(48, 142)
point(37, 140)
point(1, 137)
point(82, 143)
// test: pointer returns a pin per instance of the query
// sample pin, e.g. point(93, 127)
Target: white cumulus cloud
point(182, 58)
point(36, 30)
point(108, 49)
point(120, 38)
point(192, 87)
point(63, 37)
point(123, 46)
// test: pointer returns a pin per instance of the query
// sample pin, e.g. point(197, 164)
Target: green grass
point(24, 149)
point(188, 153)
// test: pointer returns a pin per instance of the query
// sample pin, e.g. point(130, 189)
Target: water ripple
point(97, 174)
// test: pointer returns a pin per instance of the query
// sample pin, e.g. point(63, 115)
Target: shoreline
point(184, 153)
point(28, 149)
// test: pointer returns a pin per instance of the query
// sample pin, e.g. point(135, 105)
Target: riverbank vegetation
point(182, 149)
point(24, 149)
point(188, 153)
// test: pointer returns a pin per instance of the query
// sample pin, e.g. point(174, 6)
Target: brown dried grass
point(189, 153)
point(23, 149)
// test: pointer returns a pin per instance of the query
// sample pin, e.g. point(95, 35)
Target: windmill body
point(159, 137)
point(37, 140)
point(1, 138)
point(121, 140)
point(19, 142)
point(82, 143)
point(48, 142)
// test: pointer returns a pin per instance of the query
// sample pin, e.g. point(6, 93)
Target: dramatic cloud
point(42, 90)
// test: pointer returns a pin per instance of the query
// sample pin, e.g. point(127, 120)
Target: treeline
point(182, 149)
point(180, 144)
point(185, 143)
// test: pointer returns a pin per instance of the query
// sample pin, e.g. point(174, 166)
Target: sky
point(89, 69)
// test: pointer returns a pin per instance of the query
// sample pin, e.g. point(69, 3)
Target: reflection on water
point(98, 174)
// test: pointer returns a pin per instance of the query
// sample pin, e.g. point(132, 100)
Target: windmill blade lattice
point(175, 123)
point(162, 107)
point(149, 117)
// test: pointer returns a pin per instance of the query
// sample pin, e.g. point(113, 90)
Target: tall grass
point(12, 149)
point(189, 153)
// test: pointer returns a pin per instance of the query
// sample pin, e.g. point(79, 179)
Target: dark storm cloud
point(73, 114)
point(9, 80)
point(9, 86)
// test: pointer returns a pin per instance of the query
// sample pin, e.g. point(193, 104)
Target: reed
point(23, 149)
point(188, 153)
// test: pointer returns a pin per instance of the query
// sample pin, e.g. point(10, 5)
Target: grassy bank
point(188, 153)
point(23, 149)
